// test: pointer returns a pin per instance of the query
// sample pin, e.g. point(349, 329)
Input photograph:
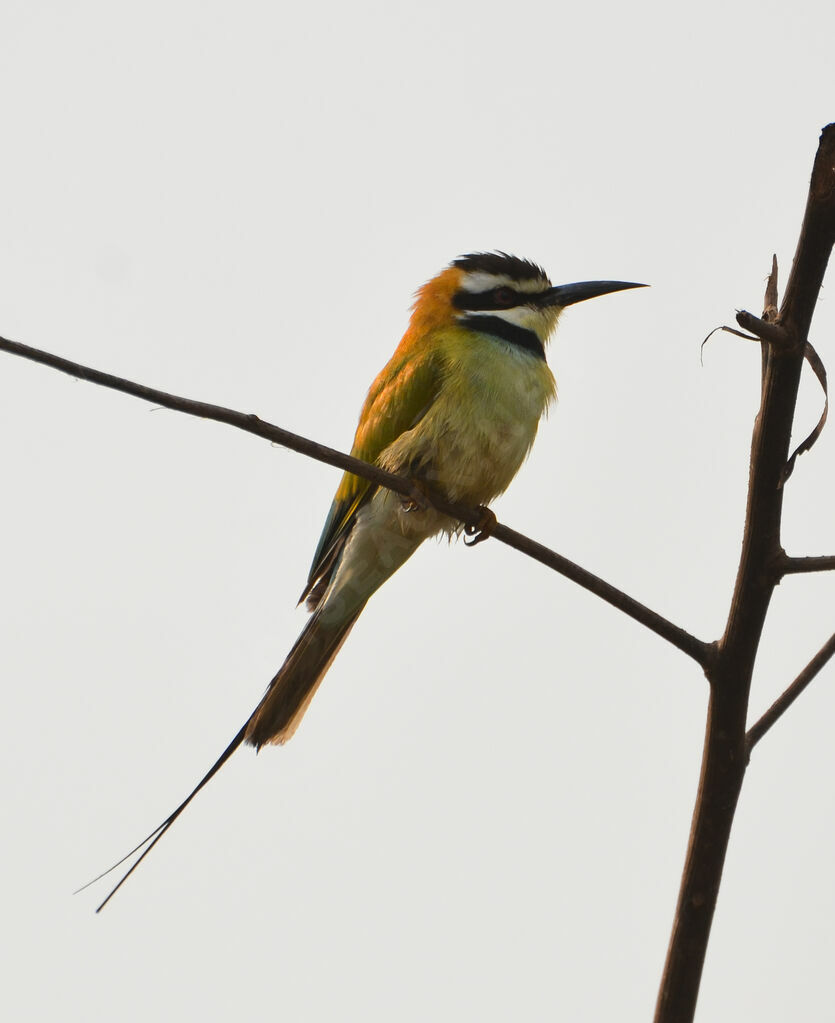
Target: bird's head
point(503, 296)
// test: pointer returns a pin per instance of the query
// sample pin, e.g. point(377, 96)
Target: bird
point(455, 410)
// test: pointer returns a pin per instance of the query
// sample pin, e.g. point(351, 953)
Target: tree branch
point(783, 702)
point(772, 333)
point(700, 651)
point(678, 637)
point(725, 753)
point(792, 566)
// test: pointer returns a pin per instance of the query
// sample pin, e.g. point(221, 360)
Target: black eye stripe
point(478, 301)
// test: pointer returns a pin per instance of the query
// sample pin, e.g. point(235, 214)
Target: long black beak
point(568, 294)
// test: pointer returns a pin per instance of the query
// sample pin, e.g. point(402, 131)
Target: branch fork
point(763, 562)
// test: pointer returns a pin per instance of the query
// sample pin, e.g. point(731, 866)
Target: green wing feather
point(398, 399)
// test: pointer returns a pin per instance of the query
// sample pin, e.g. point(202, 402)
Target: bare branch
point(783, 702)
point(240, 420)
point(725, 749)
point(701, 652)
point(822, 563)
point(678, 637)
point(773, 333)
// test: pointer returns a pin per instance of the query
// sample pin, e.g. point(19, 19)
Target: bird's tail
point(273, 721)
point(289, 694)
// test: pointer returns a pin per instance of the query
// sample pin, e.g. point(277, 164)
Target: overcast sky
point(485, 812)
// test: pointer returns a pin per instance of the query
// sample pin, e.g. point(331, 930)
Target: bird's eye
point(505, 297)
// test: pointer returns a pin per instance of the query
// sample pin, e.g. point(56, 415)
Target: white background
point(484, 815)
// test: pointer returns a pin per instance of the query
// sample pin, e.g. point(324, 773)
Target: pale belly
point(480, 429)
point(469, 445)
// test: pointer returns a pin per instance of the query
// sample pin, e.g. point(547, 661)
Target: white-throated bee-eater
point(457, 409)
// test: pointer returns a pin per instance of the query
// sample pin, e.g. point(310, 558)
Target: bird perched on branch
point(456, 410)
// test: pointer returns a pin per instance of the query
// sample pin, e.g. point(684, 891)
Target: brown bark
point(761, 565)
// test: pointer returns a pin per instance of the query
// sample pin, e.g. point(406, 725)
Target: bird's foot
point(417, 499)
point(486, 524)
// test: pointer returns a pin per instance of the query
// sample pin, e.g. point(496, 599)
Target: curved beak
point(568, 294)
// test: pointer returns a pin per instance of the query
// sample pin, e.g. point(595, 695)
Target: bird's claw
point(417, 499)
point(483, 530)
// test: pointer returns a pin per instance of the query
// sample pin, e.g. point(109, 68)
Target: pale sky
point(485, 812)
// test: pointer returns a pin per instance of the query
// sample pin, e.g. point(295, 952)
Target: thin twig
point(240, 420)
point(675, 635)
point(792, 566)
point(700, 652)
point(783, 702)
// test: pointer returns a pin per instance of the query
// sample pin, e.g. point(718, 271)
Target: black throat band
point(521, 337)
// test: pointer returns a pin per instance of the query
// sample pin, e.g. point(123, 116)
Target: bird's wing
point(398, 399)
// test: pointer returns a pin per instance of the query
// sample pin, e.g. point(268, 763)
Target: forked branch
point(726, 748)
